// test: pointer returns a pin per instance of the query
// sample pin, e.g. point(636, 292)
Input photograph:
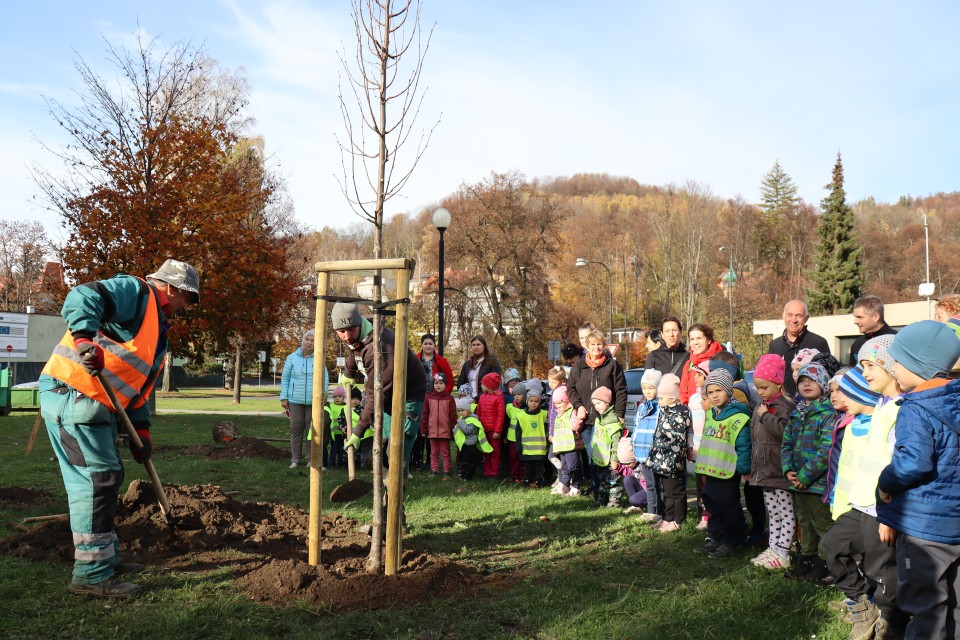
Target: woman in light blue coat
point(296, 395)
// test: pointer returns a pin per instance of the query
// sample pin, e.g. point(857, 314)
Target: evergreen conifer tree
point(778, 192)
point(839, 275)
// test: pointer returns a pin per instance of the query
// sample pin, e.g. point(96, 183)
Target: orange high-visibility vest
point(126, 364)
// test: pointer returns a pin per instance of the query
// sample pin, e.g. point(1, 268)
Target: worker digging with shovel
point(117, 327)
point(357, 333)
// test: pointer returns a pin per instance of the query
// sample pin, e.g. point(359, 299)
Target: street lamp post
point(582, 262)
point(730, 278)
point(441, 220)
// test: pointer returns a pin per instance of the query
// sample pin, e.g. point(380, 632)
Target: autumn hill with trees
point(513, 244)
point(161, 161)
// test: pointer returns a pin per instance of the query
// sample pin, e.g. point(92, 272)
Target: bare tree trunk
point(237, 373)
point(167, 366)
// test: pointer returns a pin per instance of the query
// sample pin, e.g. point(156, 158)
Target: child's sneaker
point(652, 518)
point(632, 510)
point(777, 560)
point(709, 545)
point(723, 551)
point(762, 558)
point(573, 492)
point(446, 475)
point(665, 526)
point(433, 474)
point(702, 525)
point(557, 490)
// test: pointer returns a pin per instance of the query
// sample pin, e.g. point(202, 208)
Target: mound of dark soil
point(241, 447)
point(266, 544)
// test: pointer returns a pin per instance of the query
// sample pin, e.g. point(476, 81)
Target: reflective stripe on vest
point(564, 439)
point(717, 456)
point(512, 411)
point(533, 432)
point(127, 365)
point(606, 435)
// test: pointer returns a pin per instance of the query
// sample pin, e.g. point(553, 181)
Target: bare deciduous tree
point(383, 78)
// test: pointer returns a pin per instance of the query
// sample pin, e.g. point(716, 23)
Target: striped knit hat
point(855, 386)
point(720, 378)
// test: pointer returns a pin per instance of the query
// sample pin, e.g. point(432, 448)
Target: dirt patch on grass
point(241, 447)
point(266, 545)
point(19, 496)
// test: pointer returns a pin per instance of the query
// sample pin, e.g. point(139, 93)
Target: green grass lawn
point(585, 573)
point(252, 398)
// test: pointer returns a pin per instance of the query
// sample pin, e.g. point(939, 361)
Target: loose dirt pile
point(241, 447)
point(266, 544)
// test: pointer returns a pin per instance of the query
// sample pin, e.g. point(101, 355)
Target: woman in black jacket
point(670, 354)
point(480, 363)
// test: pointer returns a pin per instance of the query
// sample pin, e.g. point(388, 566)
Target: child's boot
point(800, 568)
point(863, 615)
point(885, 631)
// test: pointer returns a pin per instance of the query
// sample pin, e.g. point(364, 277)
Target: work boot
point(863, 615)
point(112, 588)
point(884, 631)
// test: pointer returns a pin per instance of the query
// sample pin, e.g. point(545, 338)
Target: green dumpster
point(5, 398)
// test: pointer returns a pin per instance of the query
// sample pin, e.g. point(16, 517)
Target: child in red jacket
point(436, 423)
point(490, 409)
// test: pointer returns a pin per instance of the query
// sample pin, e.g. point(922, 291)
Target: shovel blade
point(351, 490)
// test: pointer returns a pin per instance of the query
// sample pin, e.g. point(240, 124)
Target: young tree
point(384, 80)
point(839, 274)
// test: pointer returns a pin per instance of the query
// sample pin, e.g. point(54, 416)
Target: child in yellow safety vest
point(723, 457)
point(564, 441)
point(606, 435)
point(335, 423)
point(469, 438)
point(517, 406)
point(531, 434)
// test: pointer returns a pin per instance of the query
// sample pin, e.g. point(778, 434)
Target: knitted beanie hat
point(876, 350)
point(770, 367)
point(926, 348)
point(440, 377)
point(465, 390)
point(804, 356)
point(669, 386)
point(534, 388)
point(720, 378)
point(491, 380)
point(828, 362)
point(520, 389)
point(651, 377)
point(345, 315)
point(703, 368)
point(855, 386)
point(717, 365)
point(625, 451)
point(510, 374)
point(560, 394)
point(817, 373)
point(463, 404)
point(602, 393)
point(339, 392)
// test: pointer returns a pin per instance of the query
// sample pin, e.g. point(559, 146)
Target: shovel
point(132, 432)
point(352, 488)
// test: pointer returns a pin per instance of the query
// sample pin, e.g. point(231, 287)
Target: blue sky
point(661, 92)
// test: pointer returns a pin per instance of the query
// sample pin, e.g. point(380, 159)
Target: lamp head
point(441, 218)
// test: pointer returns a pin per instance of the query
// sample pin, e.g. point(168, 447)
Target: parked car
point(634, 395)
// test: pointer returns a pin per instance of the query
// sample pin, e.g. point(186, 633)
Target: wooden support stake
point(319, 397)
point(397, 424)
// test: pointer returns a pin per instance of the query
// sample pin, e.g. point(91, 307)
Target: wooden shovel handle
point(135, 439)
point(351, 460)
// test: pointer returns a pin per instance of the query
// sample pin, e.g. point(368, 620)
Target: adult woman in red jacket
point(434, 363)
point(702, 346)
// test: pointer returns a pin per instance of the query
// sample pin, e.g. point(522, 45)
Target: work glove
point(352, 441)
point(91, 355)
point(142, 454)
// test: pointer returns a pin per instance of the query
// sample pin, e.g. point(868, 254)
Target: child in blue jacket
point(644, 426)
point(919, 491)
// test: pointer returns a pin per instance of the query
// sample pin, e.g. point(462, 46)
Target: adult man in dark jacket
point(868, 316)
point(357, 333)
point(795, 337)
